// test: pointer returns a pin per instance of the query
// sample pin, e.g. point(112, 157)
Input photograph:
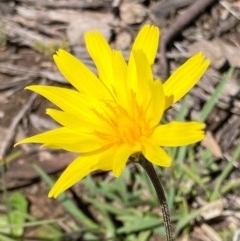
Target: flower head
point(109, 117)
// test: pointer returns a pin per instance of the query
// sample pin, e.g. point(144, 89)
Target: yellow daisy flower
point(109, 117)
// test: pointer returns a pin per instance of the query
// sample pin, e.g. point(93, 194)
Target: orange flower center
point(124, 126)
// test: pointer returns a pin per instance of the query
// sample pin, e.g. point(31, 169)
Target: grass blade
point(207, 108)
point(67, 203)
point(226, 171)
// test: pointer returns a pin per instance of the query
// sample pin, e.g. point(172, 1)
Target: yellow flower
point(109, 117)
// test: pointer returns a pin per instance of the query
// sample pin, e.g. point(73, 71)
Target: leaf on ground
point(218, 51)
point(211, 144)
point(212, 49)
point(86, 21)
point(231, 52)
point(213, 209)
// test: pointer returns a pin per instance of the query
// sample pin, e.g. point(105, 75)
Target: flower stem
point(148, 167)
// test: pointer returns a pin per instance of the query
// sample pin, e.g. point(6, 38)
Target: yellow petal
point(185, 77)
point(120, 78)
point(132, 76)
point(147, 40)
point(101, 53)
point(68, 140)
point(138, 90)
point(139, 72)
point(79, 75)
point(121, 157)
point(149, 94)
point(156, 154)
point(81, 167)
point(105, 162)
point(168, 101)
point(157, 104)
point(86, 122)
point(144, 78)
point(49, 136)
point(66, 99)
point(178, 133)
point(77, 170)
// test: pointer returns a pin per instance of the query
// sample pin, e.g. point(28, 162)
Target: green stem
point(148, 167)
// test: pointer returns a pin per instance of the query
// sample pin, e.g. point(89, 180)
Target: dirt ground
point(30, 31)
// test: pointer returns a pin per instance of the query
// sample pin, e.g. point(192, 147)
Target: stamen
point(125, 127)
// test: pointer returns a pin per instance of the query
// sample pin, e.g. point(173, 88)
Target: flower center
point(127, 128)
point(124, 125)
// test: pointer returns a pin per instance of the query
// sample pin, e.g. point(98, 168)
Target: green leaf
point(4, 225)
point(18, 207)
point(136, 222)
point(185, 220)
point(193, 176)
point(6, 238)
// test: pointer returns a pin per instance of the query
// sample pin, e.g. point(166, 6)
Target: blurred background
point(202, 186)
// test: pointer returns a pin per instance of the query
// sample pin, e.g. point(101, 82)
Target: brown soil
point(30, 31)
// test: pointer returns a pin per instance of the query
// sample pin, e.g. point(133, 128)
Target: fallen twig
point(178, 24)
point(13, 126)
